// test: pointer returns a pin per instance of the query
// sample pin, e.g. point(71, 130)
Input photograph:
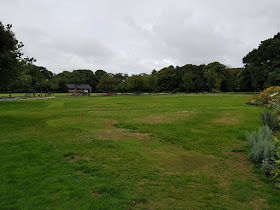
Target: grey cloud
point(139, 36)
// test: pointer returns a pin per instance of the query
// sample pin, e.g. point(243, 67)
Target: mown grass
point(137, 152)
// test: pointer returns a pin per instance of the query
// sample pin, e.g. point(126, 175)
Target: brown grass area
point(238, 167)
point(118, 134)
point(175, 160)
point(259, 203)
point(95, 194)
point(165, 117)
point(108, 131)
point(230, 118)
point(186, 162)
point(227, 120)
point(73, 158)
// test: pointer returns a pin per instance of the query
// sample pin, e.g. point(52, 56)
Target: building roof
point(81, 86)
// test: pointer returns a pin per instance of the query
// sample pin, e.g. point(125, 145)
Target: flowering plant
point(266, 97)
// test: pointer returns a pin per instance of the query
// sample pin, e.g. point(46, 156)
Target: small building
point(77, 90)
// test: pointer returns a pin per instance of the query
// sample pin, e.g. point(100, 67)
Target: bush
point(275, 173)
point(267, 166)
point(269, 95)
point(269, 119)
point(276, 108)
point(261, 142)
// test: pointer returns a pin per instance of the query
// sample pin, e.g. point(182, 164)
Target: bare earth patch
point(230, 118)
point(73, 158)
point(227, 120)
point(165, 117)
point(95, 194)
point(186, 161)
point(111, 132)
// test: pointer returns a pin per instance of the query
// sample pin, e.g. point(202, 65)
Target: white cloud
point(139, 36)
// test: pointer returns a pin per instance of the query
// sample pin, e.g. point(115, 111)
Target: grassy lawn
point(136, 152)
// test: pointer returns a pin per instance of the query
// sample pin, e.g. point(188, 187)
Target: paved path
point(23, 98)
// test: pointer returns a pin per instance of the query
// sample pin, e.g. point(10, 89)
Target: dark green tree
point(273, 78)
point(188, 81)
point(10, 55)
point(229, 83)
point(167, 79)
point(60, 81)
point(260, 62)
point(214, 74)
point(135, 83)
point(244, 81)
point(151, 82)
point(107, 83)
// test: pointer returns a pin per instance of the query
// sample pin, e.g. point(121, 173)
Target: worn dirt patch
point(230, 118)
point(173, 160)
point(79, 172)
point(187, 162)
point(227, 120)
point(259, 203)
point(73, 158)
point(113, 133)
point(165, 117)
point(110, 122)
point(119, 133)
point(95, 194)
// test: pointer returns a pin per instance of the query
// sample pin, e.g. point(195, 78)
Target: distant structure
point(79, 90)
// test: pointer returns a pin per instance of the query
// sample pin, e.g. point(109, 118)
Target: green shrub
point(267, 166)
point(261, 142)
point(269, 119)
point(269, 95)
point(276, 168)
point(276, 173)
point(276, 108)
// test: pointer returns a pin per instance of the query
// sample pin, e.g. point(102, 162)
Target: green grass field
point(133, 152)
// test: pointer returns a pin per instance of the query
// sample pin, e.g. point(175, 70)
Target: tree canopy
point(9, 55)
point(260, 62)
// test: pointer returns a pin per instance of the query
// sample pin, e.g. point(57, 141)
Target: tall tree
point(214, 73)
point(167, 79)
point(135, 83)
point(9, 55)
point(188, 81)
point(260, 62)
point(273, 78)
point(107, 83)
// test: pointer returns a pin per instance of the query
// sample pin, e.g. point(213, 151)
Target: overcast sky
point(137, 36)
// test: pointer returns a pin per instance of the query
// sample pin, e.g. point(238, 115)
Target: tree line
point(20, 74)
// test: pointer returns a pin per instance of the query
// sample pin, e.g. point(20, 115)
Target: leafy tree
point(120, 78)
point(273, 78)
point(151, 82)
point(214, 73)
point(37, 73)
point(188, 81)
point(22, 82)
point(260, 62)
point(167, 79)
point(244, 80)
point(107, 83)
point(77, 78)
point(98, 74)
point(121, 87)
point(135, 83)
point(229, 83)
point(59, 81)
point(43, 85)
point(154, 72)
point(10, 55)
